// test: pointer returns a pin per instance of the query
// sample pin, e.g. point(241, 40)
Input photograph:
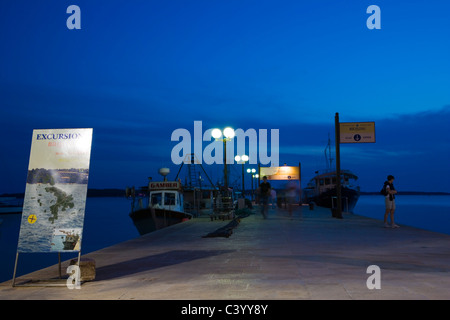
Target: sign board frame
point(55, 194)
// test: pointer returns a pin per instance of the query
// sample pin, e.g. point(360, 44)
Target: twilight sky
point(138, 70)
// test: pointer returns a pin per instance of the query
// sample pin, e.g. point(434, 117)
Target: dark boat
point(322, 189)
point(149, 219)
point(323, 192)
point(164, 207)
point(10, 205)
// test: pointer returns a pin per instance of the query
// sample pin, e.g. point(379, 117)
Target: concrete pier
point(311, 256)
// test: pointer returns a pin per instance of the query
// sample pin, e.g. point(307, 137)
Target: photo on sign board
point(66, 239)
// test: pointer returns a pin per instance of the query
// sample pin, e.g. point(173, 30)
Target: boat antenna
point(328, 158)
point(192, 159)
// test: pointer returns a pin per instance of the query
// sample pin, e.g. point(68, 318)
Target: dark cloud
point(132, 136)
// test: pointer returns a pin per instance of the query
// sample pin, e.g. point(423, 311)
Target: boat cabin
point(328, 180)
point(165, 195)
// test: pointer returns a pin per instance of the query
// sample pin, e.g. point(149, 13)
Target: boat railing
point(334, 203)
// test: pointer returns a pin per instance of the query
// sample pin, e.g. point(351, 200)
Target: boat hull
point(149, 219)
point(9, 205)
point(328, 199)
point(10, 210)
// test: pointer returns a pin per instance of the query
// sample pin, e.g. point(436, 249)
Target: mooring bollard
point(87, 268)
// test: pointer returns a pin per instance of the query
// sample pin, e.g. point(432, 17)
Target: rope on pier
point(226, 230)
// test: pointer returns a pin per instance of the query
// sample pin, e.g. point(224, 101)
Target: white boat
point(164, 207)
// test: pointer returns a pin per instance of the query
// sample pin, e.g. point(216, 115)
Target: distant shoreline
point(410, 193)
point(97, 193)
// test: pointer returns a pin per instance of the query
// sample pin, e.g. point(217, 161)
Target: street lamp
point(256, 176)
point(216, 133)
point(226, 135)
point(252, 173)
point(242, 159)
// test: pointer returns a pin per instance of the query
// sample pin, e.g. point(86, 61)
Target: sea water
point(106, 222)
point(420, 211)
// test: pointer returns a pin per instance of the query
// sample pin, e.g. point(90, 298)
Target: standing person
point(389, 200)
point(273, 197)
point(291, 194)
point(264, 189)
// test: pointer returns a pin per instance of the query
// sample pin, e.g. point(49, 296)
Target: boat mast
point(328, 158)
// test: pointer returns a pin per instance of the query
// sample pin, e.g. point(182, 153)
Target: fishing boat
point(200, 199)
point(10, 205)
point(164, 207)
point(322, 188)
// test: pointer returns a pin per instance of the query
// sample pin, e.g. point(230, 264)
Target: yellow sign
point(357, 132)
point(164, 185)
point(280, 173)
point(32, 218)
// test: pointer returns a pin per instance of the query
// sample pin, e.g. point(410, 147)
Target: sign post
point(349, 132)
point(55, 193)
point(338, 167)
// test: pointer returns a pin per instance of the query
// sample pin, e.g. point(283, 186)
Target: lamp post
point(256, 182)
point(243, 159)
point(252, 173)
point(226, 135)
